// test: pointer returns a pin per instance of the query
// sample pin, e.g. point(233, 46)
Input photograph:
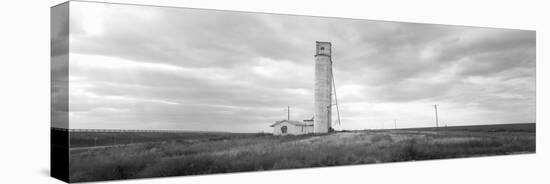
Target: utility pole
point(394, 124)
point(436, 118)
point(288, 113)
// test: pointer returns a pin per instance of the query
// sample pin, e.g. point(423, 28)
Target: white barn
point(291, 127)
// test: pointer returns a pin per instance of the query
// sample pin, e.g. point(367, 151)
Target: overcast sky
point(140, 67)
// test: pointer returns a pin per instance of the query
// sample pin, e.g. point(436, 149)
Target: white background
point(24, 94)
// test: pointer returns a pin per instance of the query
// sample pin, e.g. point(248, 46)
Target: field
point(108, 156)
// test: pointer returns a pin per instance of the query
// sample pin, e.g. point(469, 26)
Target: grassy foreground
point(255, 152)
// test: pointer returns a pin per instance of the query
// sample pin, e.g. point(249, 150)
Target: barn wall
point(309, 129)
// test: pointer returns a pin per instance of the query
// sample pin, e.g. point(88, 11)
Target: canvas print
point(148, 91)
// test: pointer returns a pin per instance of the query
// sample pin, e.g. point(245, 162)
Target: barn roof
point(293, 122)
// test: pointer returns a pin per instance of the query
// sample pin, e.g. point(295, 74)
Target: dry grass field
point(204, 153)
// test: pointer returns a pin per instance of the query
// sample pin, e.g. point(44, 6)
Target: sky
point(143, 67)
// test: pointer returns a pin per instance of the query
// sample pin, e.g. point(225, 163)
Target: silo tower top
point(323, 48)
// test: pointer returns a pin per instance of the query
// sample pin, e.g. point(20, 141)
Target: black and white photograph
point(153, 91)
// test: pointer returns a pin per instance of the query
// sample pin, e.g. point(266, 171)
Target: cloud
point(59, 42)
point(175, 68)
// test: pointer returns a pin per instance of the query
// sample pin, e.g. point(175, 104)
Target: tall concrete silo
point(323, 86)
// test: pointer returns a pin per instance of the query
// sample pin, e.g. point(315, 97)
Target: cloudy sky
point(139, 67)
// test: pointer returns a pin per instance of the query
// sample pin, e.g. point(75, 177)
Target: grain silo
point(323, 87)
